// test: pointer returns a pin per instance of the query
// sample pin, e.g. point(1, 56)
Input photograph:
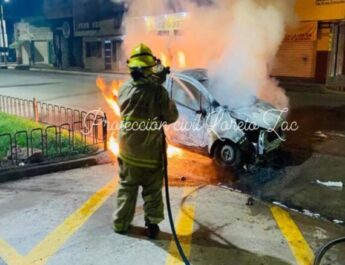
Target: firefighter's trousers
point(131, 178)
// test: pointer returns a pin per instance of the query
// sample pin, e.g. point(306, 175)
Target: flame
point(164, 59)
point(101, 84)
point(181, 57)
point(114, 146)
point(178, 60)
point(115, 86)
point(174, 151)
point(110, 93)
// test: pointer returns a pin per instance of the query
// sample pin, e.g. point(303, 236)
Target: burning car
point(229, 135)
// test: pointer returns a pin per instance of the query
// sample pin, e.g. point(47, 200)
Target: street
point(65, 218)
point(314, 152)
point(77, 91)
point(236, 108)
point(41, 219)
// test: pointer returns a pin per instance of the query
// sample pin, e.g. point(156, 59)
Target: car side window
point(186, 94)
point(205, 104)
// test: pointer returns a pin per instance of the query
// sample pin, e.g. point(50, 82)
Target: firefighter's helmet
point(141, 57)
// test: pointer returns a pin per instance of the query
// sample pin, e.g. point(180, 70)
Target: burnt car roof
point(199, 74)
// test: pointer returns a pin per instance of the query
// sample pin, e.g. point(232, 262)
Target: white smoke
point(236, 40)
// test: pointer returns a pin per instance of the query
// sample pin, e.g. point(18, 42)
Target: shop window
point(94, 49)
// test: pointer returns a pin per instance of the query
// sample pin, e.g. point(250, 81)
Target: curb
point(302, 210)
point(69, 72)
point(76, 72)
point(26, 172)
point(305, 88)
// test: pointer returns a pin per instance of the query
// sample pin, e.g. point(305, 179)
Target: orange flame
point(114, 146)
point(164, 59)
point(178, 60)
point(110, 93)
point(173, 151)
point(181, 57)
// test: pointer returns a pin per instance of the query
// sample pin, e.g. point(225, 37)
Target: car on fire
point(232, 136)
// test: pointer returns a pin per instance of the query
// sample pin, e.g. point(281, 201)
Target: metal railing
point(67, 132)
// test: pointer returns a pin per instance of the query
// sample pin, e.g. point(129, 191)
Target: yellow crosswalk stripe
point(9, 254)
point(298, 245)
point(184, 228)
point(46, 248)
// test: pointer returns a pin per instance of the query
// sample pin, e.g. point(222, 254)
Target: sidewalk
point(310, 87)
point(70, 71)
point(65, 218)
point(296, 86)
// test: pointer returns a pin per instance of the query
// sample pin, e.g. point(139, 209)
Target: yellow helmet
point(141, 57)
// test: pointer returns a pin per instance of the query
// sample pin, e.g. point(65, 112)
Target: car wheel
point(228, 154)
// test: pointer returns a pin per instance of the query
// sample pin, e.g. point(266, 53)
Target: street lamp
point(3, 29)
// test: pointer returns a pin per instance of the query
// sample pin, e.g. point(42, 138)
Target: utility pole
point(3, 32)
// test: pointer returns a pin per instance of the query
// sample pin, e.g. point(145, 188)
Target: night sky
point(17, 9)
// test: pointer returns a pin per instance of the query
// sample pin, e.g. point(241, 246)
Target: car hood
point(260, 114)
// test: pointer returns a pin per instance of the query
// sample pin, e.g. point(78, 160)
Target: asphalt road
point(75, 91)
point(315, 152)
point(65, 218)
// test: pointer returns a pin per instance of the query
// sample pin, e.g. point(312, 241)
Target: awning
point(17, 44)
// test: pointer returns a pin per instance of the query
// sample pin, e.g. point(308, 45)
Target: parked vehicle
point(230, 135)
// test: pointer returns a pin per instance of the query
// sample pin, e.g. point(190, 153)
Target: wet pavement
point(288, 178)
point(65, 218)
point(315, 152)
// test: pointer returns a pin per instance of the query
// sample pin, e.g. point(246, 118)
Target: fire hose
point(323, 250)
point(167, 196)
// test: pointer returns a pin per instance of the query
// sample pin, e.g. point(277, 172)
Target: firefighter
point(144, 104)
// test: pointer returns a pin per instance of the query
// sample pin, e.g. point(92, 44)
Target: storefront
point(33, 44)
point(67, 47)
point(315, 50)
point(99, 25)
point(336, 73)
point(297, 54)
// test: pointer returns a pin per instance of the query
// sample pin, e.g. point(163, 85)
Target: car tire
point(228, 154)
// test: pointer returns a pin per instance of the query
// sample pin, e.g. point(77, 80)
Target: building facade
point(33, 44)
point(99, 25)
point(315, 50)
point(66, 45)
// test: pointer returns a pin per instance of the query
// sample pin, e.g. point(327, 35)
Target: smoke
point(236, 40)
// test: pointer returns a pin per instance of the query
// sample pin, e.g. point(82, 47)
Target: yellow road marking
point(9, 254)
point(40, 254)
point(184, 229)
point(298, 245)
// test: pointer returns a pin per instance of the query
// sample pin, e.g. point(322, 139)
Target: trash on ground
point(250, 201)
point(310, 214)
point(336, 134)
point(280, 205)
point(331, 184)
point(320, 134)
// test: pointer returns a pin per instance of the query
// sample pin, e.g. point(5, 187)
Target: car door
point(190, 129)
